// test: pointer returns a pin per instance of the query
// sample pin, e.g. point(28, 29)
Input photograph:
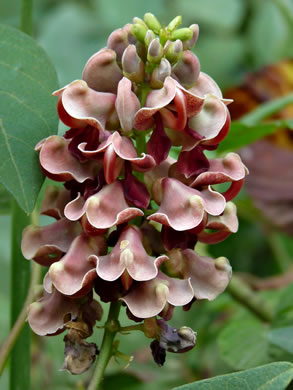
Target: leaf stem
point(266, 110)
point(111, 328)
point(26, 17)
point(131, 328)
point(241, 292)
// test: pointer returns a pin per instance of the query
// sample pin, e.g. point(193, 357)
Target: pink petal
point(183, 208)
point(47, 316)
point(208, 277)
point(60, 165)
point(46, 244)
point(147, 299)
point(127, 104)
point(104, 209)
point(85, 105)
point(129, 254)
point(55, 200)
point(77, 268)
point(101, 72)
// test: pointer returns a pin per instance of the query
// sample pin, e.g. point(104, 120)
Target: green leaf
point(243, 342)
point(27, 113)
point(269, 377)
point(282, 337)
point(241, 135)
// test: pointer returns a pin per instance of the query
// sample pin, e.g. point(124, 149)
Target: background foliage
point(236, 37)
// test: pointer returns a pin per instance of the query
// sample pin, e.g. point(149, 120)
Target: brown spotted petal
point(55, 200)
point(104, 209)
point(183, 208)
point(80, 105)
point(223, 225)
point(147, 299)
point(59, 164)
point(211, 123)
point(102, 72)
point(76, 269)
point(51, 313)
point(222, 170)
point(127, 104)
point(46, 244)
point(208, 277)
point(130, 255)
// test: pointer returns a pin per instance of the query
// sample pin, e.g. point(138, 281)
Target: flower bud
point(155, 51)
point(149, 36)
point(187, 45)
point(137, 20)
point(175, 23)
point(160, 73)
point(186, 71)
point(173, 51)
point(133, 67)
point(184, 34)
point(139, 31)
point(152, 22)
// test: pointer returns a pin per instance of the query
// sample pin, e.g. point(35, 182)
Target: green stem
point(111, 328)
point(278, 248)
point(26, 17)
point(140, 143)
point(20, 276)
point(266, 110)
point(250, 299)
point(20, 322)
point(131, 328)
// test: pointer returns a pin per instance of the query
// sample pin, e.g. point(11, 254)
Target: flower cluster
point(129, 214)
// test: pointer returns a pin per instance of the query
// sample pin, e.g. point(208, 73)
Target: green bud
point(149, 36)
point(173, 51)
point(139, 31)
point(175, 23)
point(183, 34)
point(155, 51)
point(137, 20)
point(152, 22)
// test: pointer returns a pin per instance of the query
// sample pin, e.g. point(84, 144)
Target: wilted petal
point(55, 199)
point(104, 209)
point(60, 165)
point(147, 299)
point(159, 144)
point(129, 254)
point(76, 269)
point(127, 104)
point(102, 72)
point(224, 225)
point(192, 162)
point(80, 105)
point(50, 314)
point(183, 208)
point(208, 277)
point(46, 244)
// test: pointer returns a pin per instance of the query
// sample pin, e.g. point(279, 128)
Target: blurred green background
point(236, 37)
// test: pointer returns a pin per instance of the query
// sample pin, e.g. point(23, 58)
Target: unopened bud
point(155, 51)
point(149, 36)
point(222, 264)
point(137, 20)
point(175, 23)
point(186, 71)
point(187, 45)
point(133, 67)
point(173, 51)
point(152, 22)
point(160, 73)
point(139, 31)
point(184, 34)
